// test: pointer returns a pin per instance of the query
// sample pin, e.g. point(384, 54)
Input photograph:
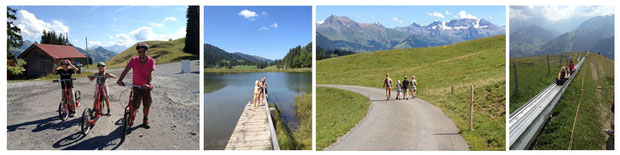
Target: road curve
point(412, 124)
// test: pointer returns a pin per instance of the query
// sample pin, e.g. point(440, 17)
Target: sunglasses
point(141, 51)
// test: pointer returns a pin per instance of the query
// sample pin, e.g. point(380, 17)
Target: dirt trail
point(594, 72)
point(33, 122)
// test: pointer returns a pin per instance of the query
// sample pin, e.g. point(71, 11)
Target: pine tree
point(13, 39)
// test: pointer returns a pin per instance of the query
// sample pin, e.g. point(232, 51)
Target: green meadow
point(596, 79)
point(480, 62)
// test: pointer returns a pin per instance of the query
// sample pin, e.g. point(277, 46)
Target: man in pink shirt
point(143, 68)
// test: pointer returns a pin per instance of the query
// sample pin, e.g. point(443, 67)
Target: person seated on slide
point(571, 66)
point(562, 76)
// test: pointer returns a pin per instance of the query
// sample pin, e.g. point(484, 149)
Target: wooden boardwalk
point(253, 130)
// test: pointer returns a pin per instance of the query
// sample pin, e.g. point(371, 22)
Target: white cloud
point(248, 14)
point(396, 20)
point(448, 13)
point(161, 24)
point(75, 40)
point(170, 19)
point(556, 13)
point(436, 14)
point(32, 27)
point(465, 15)
point(124, 40)
point(144, 34)
point(320, 22)
point(94, 43)
point(264, 28)
point(274, 25)
point(157, 24)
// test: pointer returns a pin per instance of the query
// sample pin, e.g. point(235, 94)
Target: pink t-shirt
point(140, 70)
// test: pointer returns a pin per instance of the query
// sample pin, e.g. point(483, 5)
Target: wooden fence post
point(548, 66)
point(471, 109)
point(452, 91)
point(516, 79)
point(561, 60)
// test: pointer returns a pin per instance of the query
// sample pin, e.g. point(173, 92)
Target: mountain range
point(340, 32)
point(99, 54)
point(595, 35)
point(217, 57)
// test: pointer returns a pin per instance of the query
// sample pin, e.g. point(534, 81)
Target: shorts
point(105, 91)
point(414, 88)
point(141, 96)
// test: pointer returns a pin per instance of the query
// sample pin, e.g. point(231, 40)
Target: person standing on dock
point(257, 89)
point(263, 86)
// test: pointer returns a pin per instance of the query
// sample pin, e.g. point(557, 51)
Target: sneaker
point(609, 131)
point(108, 112)
point(72, 114)
point(145, 123)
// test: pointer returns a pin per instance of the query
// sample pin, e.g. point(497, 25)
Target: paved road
point(412, 124)
point(33, 122)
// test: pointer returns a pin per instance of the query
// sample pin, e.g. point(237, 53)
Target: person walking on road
point(387, 84)
point(414, 86)
point(398, 89)
point(143, 67)
point(405, 88)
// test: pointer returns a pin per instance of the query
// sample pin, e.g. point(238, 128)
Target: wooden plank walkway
point(253, 129)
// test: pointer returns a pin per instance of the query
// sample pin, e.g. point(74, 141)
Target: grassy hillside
point(596, 78)
point(533, 76)
point(162, 51)
point(478, 62)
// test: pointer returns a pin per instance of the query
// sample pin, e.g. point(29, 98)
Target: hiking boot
point(609, 131)
point(145, 123)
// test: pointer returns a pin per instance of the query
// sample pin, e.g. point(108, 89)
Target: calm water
point(228, 93)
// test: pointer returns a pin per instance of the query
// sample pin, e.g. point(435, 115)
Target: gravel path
point(33, 122)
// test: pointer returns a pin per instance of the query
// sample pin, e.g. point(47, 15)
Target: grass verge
point(337, 112)
point(300, 138)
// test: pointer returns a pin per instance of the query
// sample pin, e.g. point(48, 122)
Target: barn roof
point(56, 51)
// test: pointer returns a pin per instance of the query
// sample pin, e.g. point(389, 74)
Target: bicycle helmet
point(64, 62)
point(101, 64)
point(142, 45)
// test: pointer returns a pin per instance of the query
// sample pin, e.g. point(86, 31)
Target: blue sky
point(392, 16)
point(258, 30)
point(103, 25)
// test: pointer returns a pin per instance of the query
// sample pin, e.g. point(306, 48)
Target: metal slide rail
point(528, 120)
